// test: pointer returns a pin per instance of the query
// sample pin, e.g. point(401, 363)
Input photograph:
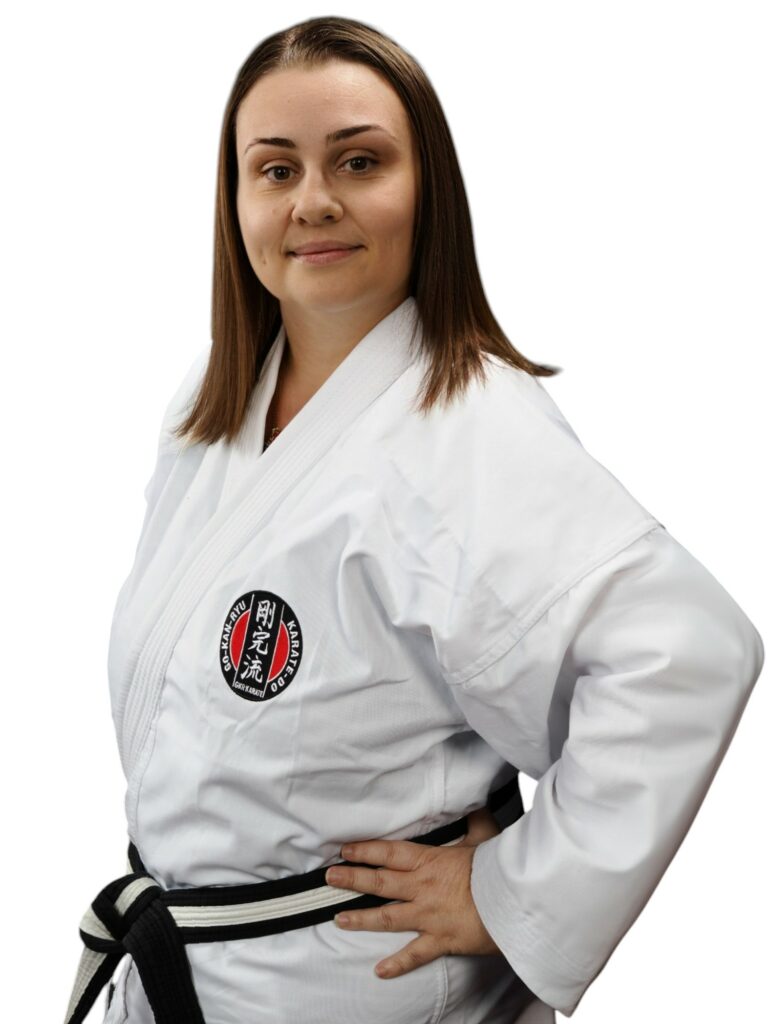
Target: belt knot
point(115, 911)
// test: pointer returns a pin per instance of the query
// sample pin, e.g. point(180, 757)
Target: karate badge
point(260, 648)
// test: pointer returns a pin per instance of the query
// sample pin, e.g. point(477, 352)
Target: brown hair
point(456, 321)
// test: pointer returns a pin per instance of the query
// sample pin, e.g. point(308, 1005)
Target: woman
point(377, 576)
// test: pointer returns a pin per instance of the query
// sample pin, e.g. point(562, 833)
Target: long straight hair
point(457, 325)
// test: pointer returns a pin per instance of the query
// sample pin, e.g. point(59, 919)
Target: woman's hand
point(433, 883)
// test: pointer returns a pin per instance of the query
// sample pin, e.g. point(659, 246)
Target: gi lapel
point(371, 367)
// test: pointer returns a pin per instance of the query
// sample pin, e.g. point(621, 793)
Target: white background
point(615, 157)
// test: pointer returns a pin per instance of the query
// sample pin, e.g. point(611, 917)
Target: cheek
point(250, 221)
point(259, 227)
point(395, 231)
point(241, 210)
point(392, 217)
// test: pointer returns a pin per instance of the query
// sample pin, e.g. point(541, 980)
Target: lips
point(326, 257)
point(314, 247)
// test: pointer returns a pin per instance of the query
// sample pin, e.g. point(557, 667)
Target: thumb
point(482, 826)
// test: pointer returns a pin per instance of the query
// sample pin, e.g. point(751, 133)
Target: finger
point(416, 954)
point(397, 854)
point(376, 881)
point(482, 825)
point(391, 917)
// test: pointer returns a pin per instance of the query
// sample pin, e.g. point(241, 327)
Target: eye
point(276, 167)
point(368, 158)
point(283, 167)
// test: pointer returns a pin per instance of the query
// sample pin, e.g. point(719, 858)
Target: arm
point(621, 698)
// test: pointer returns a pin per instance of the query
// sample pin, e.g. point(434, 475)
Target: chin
point(327, 297)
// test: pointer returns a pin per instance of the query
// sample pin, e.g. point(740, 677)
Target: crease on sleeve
point(621, 700)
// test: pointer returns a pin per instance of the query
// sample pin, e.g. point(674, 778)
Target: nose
point(314, 200)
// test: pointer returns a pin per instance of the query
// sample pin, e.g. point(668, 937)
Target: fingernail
point(342, 919)
point(333, 875)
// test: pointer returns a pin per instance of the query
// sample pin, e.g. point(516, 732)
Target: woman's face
point(298, 184)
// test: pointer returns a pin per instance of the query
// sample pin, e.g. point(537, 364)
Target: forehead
point(304, 104)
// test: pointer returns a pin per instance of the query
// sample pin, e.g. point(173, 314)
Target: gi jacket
point(361, 630)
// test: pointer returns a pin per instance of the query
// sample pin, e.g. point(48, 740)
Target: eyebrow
point(337, 136)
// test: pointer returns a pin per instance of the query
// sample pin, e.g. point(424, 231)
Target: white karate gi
point(459, 592)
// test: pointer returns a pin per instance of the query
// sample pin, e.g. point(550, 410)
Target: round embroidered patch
point(260, 648)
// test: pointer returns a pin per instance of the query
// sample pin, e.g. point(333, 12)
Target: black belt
point(135, 915)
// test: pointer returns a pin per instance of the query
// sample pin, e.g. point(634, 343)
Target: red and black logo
point(260, 647)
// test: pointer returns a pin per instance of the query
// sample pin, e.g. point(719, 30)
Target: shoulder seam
point(464, 676)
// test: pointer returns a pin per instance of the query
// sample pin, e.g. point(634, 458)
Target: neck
point(317, 341)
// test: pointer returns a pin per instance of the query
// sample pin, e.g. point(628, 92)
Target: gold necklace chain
point(272, 436)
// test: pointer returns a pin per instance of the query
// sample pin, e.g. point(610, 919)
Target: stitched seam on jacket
point(508, 641)
point(579, 969)
point(520, 626)
point(441, 999)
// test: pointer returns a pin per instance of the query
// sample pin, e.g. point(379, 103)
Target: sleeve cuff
point(543, 968)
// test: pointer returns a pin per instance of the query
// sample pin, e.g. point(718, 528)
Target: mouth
point(313, 252)
point(325, 255)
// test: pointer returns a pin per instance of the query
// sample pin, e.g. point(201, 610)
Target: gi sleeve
point(621, 698)
point(168, 445)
